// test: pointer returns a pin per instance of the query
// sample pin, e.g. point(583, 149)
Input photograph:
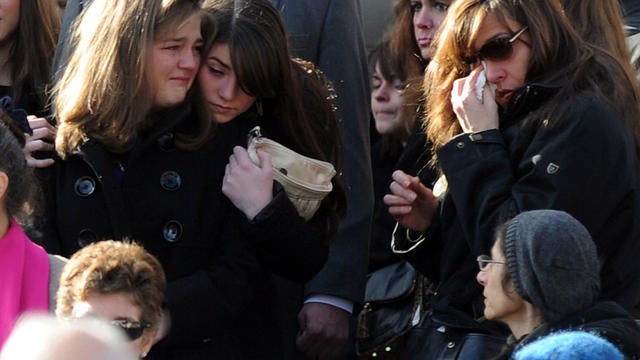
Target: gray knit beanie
point(552, 262)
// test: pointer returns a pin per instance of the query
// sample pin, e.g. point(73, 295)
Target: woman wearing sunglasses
point(543, 277)
point(556, 126)
point(117, 281)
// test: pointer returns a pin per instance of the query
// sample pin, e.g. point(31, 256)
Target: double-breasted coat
point(169, 200)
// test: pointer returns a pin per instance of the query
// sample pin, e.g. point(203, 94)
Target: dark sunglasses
point(497, 49)
point(133, 329)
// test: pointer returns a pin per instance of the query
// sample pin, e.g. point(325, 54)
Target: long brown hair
point(558, 55)
point(600, 23)
point(295, 92)
point(404, 49)
point(402, 40)
point(103, 93)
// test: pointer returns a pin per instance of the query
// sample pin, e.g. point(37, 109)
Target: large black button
point(170, 181)
point(84, 186)
point(87, 237)
point(172, 231)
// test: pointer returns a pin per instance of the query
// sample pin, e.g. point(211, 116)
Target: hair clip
point(18, 115)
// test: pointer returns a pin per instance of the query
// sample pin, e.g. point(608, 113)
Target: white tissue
point(480, 82)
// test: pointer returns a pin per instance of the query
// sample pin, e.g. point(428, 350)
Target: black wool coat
point(585, 165)
point(169, 200)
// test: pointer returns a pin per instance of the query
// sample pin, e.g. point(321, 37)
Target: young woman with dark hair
point(248, 78)
point(408, 51)
point(288, 98)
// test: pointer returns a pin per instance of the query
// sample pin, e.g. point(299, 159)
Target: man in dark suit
point(329, 33)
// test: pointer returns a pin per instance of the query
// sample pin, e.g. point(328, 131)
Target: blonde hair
point(103, 93)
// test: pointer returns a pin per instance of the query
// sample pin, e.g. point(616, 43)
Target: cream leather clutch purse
point(305, 180)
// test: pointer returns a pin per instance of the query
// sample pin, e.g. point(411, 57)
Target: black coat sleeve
point(290, 246)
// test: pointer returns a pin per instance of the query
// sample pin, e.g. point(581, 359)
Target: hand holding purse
point(306, 181)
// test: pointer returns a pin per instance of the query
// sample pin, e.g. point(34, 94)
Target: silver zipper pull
point(255, 132)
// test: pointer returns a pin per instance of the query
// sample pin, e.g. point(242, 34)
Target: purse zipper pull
point(255, 132)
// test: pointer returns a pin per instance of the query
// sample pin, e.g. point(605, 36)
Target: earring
point(143, 355)
point(259, 107)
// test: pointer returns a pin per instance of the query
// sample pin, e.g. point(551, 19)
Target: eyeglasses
point(499, 48)
point(133, 329)
point(485, 260)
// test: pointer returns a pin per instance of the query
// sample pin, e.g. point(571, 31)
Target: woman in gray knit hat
point(543, 276)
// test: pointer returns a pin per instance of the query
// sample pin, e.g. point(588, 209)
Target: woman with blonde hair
point(531, 137)
point(103, 96)
point(136, 161)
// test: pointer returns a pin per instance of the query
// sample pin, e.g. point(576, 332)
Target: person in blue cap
point(569, 345)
